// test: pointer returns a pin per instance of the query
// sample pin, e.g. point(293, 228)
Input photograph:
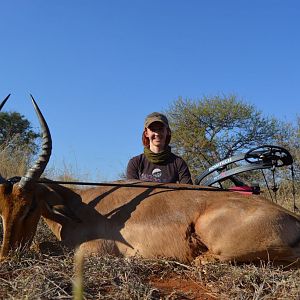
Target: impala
point(183, 222)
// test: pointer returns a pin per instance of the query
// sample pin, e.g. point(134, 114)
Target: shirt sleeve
point(132, 171)
point(184, 172)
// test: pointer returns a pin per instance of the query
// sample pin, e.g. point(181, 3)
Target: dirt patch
point(176, 288)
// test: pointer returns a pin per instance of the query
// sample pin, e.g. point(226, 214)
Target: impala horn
point(34, 173)
point(3, 102)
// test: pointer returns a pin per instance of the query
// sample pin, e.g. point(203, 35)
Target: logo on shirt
point(156, 173)
point(155, 176)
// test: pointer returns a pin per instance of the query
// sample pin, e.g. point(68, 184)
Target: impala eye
point(14, 179)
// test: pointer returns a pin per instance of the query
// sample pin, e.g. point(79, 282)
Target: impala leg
point(196, 247)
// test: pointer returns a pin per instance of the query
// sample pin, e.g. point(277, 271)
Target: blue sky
point(97, 68)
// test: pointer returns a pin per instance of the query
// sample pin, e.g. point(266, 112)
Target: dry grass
point(14, 162)
point(50, 274)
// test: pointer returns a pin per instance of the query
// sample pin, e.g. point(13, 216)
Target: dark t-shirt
point(173, 171)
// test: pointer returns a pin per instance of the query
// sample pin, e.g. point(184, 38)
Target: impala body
point(152, 221)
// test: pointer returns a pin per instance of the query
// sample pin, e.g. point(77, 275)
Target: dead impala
point(174, 220)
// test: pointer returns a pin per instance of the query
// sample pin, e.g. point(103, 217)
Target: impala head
point(19, 208)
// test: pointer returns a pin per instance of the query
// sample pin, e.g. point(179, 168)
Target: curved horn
point(3, 102)
point(1, 105)
point(34, 173)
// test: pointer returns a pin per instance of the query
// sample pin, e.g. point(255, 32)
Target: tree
point(17, 143)
point(289, 137)
point(15, 130)
point(210, 129)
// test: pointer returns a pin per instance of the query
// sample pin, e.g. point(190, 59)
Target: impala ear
point(62, 211)
point(2, 180)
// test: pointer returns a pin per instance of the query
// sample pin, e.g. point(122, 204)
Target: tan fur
point(154, 222)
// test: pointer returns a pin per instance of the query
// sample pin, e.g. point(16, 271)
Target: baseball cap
point(156, 117)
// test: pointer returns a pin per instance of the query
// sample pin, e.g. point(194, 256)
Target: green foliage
point(17, 144)
point(210, 129)
point(16, 131)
